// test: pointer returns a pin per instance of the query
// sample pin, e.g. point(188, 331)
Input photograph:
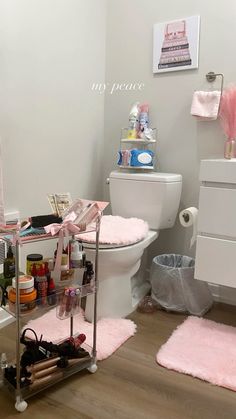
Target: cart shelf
point(42, 307)
point(58, 375)
point(137, 140)
point(137, 167)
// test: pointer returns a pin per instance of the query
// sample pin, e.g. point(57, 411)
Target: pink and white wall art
point(175, 45)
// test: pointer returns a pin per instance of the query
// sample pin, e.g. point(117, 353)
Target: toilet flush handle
point(108, 181)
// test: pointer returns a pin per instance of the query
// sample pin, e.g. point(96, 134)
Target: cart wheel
point(21, 406)
point(93, 368)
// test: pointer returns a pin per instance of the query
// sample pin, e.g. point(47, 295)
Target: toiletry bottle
point(47, 272)
point(50, 265)
point(51, 292)
point(32, 258)
point(55, 254)
point(70, 302)
point(88, 273)
point(71, 245)
point(9, 264)
point(77, 258)
point(68, 249)
point(133, 121)
point(34, 273)
point(64, 267)
point(42, 285)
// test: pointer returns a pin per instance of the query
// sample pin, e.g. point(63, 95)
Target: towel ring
point(211, 76)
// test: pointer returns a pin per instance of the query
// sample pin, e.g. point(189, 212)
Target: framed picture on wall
point(176, 45)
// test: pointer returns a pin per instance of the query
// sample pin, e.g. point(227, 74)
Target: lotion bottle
point(77, 255)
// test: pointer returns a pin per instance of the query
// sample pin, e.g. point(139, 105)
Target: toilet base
point(124, 302)
point(113, 301)
point(122, 279)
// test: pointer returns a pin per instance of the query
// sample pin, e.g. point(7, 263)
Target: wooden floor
point(131, 385)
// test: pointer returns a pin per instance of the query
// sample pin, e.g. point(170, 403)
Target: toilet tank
point(153, 197)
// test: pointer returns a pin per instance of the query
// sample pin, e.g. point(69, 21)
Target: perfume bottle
point(230, 149)
point(9, 264)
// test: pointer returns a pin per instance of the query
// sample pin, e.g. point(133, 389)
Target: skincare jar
point(26, 284)
point(27, 301)
point(31, 259)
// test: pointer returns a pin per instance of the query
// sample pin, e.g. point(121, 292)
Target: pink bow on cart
point(64, 229)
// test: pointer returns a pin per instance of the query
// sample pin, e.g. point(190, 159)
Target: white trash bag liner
point(174, 286)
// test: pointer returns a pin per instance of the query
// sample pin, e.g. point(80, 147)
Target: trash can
point(174, 287)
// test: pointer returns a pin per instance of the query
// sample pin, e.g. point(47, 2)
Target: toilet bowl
point(116, 267)
point(150, 198)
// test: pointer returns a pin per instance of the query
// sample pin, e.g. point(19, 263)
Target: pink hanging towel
point(205, 105)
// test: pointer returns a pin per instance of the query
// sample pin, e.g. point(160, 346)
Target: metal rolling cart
point(89, 362)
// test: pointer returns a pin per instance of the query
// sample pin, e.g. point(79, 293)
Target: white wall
point(182, 141)
point(51, 122)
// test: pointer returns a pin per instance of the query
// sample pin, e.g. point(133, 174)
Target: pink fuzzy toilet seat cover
point(118, 231)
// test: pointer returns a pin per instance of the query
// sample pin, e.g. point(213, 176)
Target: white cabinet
point(216, 239)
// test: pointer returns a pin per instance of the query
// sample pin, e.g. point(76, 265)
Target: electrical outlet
point(12, 216)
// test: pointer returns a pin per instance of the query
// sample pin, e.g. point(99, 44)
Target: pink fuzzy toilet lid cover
point(118, 231)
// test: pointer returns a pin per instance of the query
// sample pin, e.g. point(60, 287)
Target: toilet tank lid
point(151, 177)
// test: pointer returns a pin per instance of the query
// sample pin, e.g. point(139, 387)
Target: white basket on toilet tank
point(152, 197)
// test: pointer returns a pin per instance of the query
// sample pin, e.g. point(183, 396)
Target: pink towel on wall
point(205, 105)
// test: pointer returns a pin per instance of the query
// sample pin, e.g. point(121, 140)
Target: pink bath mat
point(118, 230)
point(204, 349)
point(111, 333)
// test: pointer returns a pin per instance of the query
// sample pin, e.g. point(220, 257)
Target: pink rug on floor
point(204, 349)
point(111, 333)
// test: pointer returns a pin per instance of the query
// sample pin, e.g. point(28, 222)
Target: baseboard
point(223, 294)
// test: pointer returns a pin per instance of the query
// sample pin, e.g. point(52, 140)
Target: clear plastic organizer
point(66, 299)
point(125, 137)
point(137, 153)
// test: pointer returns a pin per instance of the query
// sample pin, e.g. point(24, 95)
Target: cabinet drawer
point(217, 211)
point(216, 261)
point(218, 170)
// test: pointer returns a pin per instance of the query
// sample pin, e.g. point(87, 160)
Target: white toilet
point(153, 197)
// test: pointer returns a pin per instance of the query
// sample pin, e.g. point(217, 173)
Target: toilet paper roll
point(188, 218)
